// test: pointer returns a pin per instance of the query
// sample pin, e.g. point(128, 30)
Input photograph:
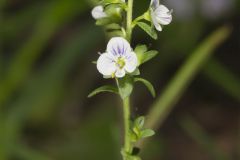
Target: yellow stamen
point(121, 62)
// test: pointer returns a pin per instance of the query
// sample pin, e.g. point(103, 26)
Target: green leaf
point(147, 84)
point(125, 86)
point(139, 122)
point(137, 131)
point(148, 56)
point(148, 29)
point(140, 49)
point(106, 88)
point(144, 55)
point(147, 133)
point(133, 137)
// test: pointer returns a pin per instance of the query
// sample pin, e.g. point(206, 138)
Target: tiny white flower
point(118, 60)
point(98, 12)
point(160, 14)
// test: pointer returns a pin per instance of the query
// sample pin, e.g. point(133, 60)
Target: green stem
point(129, 20)
point(136, 20)
point(126, 114)
point(127, 149)
point(126, 102)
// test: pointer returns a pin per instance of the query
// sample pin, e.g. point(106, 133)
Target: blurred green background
point(46, 50)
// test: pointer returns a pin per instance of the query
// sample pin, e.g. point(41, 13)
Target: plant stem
point(126, 102)
point(126, 114)
point(129, 20)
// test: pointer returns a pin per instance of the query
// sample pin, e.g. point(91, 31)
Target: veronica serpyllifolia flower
point(98, 12)
point(160, 14)
point(118, 60)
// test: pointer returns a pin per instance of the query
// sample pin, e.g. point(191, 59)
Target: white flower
point(160, 14)
point(98, 12)
point(118, 60)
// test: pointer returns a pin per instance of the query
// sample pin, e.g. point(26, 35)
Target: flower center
point(121, 62)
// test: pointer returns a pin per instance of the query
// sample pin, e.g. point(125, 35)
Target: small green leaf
point(125, 86)
point(107, 88)
point(144, 55)
point(137, 131)
point(148, 56)
point(148, 29)
point(147, 84)
point(139, 122)
point(133, 136)
point(140, 49)
point(147, 133)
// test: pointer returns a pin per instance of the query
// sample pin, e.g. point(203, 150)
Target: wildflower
point(98, 12)
point(118, 60)
point(160, 14)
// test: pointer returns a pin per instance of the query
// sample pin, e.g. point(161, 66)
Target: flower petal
point(118, 46)
point(154, 4)
point(155, 22)
point(106, 64)
point(163, 15)
point(131, 62)
point(120, 73)
point(98, 12)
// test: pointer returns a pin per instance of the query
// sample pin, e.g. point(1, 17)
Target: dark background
point(46, 50)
